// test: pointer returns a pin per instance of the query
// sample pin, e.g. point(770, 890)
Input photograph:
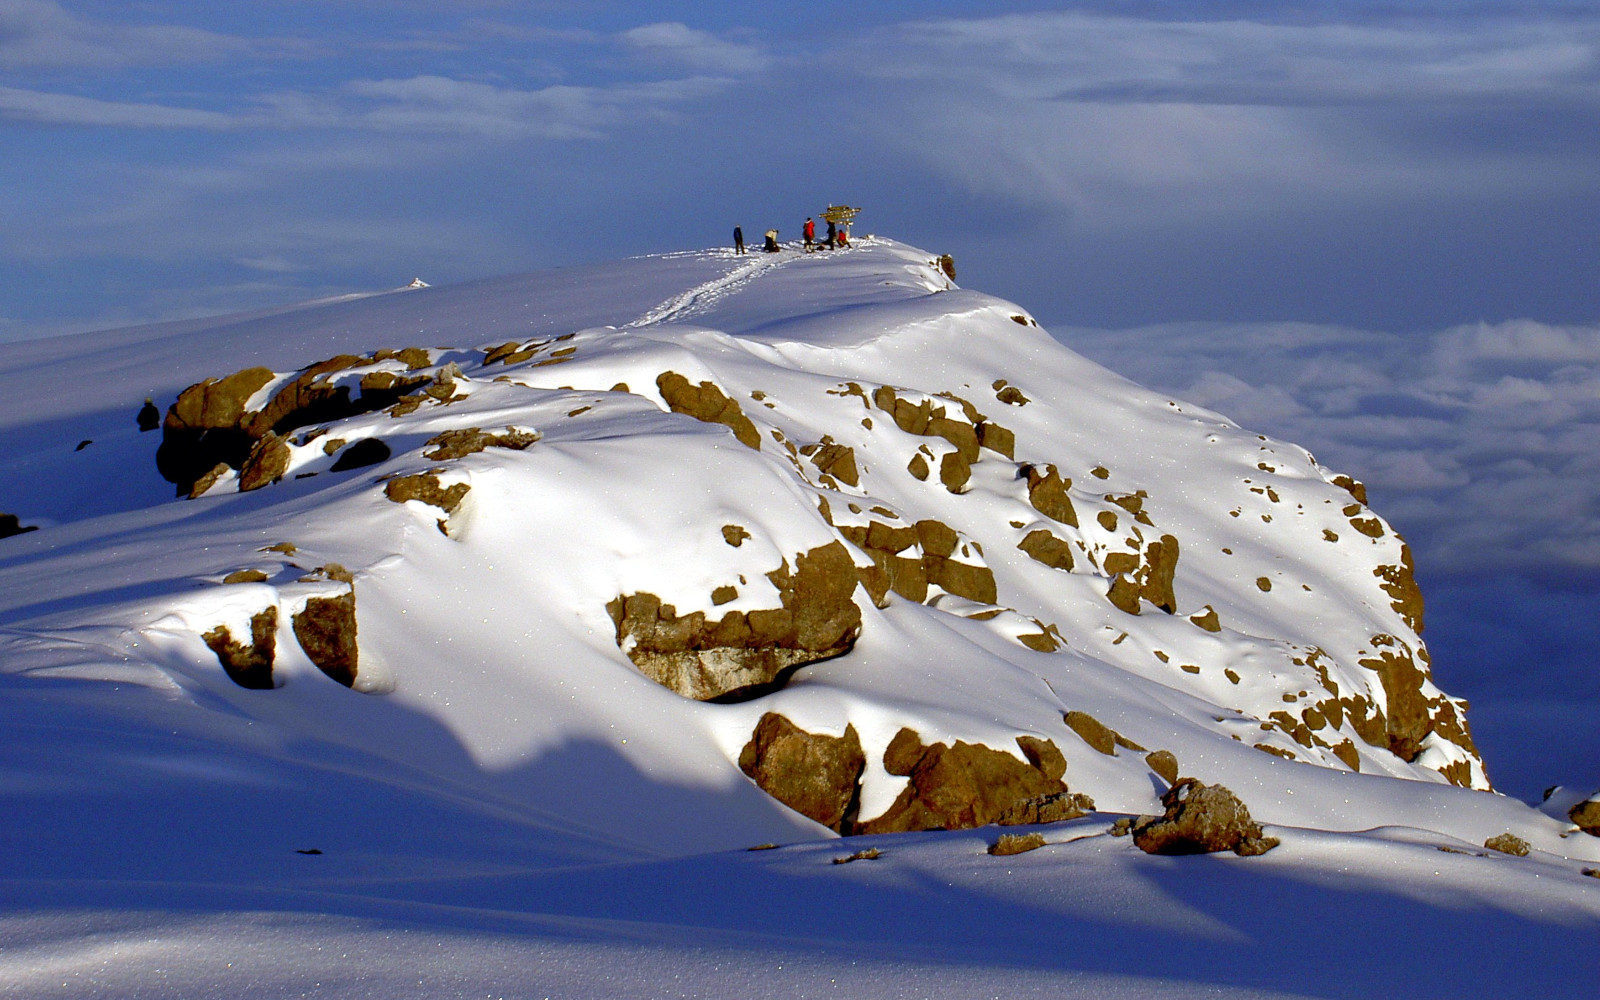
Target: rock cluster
point(956, 787)
point(743, 654)
point(325, 629)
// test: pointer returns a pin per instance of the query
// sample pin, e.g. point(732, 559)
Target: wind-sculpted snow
point(858, 539)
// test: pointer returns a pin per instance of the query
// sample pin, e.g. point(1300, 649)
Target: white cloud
point(700, 51)
point(1480, 443)
point(43, 108)
point(42, 34)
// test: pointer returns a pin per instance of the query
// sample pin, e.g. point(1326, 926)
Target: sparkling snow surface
point(505, 806)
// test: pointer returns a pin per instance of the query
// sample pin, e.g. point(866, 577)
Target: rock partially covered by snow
point(1201, 819)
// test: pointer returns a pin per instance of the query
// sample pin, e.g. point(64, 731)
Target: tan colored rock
point(248, 666)
point(471, 440)
point(266, 464)
point(816, 775)
point(1400, 583)
point(1508, 843)
point(1207, 619)
point(1097, 734)
point(1165, 764)
point(326, 631)
point(426, 488)
point(706, 402)
point(1047, 492)
point(1586, 815)
point(745, 653)
point(997, 439)
point(735, 534)
point(1201, 819)
point(956, 787)
point(838, 461)
point(245, 576)
point(1043, 547)
point(1016, 843)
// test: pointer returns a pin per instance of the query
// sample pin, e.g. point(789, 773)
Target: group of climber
point(836, 237)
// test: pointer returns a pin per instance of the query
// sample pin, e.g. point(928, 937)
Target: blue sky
point(1372, 228)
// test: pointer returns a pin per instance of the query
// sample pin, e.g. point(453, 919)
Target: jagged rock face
point(816, 775)
point(211, 424)
point(745, 653)
point(248, 666)
point(326, 631)
point(908, 559)
point(1201, 819)
point(968, 784)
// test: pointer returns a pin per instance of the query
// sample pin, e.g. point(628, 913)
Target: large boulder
point(1201, 819)
point(968, 784)
point(816, 775)
point(745, 654)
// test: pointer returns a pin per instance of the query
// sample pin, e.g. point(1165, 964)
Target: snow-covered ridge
point(834, 488)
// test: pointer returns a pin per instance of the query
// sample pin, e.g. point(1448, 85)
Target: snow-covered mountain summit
point(688, 553)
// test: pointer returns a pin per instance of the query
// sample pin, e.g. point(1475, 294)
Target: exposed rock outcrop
point(326, 631)
point(707, 403)
point(816, 775)
point(969, 784)
point(908, 559)
point(1201, 819)
point(248, 666)
point(745, 653)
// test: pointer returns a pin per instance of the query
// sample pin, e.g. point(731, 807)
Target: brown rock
point(734, 534)
point(1048, 494)
point(1016, 843)
point(838, 461)
point(918, 467)
point(956, 787)
point(245, 576)
point(425, 487)
point(1165, 764)
point(248, 666)
point(1097, 734)
point(1054, 807)
point(1586, 815)
point(814, 774)
point(471, 440)
point(707, 403)
point(1400, 583)
point(997, 439)
point(1201, 819)
point(1160, 563)
point(746, 654)
point(266, 464)
point(1207, 619)
point(1508, 843)
point(1041, 546)
point(326, 631)
point(1407, 720)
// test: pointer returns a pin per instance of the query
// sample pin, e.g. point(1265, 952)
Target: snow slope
point(502, 800)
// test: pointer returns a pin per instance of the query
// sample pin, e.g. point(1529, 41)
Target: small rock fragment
point(1016, 843)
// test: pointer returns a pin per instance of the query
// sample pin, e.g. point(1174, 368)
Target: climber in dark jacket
point(738, 240)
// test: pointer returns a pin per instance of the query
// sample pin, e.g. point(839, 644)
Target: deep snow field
point(335, 717)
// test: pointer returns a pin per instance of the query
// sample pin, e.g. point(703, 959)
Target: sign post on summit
point(839, 217)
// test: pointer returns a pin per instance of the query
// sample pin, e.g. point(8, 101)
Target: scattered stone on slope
point(1201, 819)
point(245, 576)
point(834, 460)
point(365, 452)
point(1165, 764)
point(1508, 843)
point(816, 775)
point(1016, 843)
point(1047, 492)
point(1586, 815)
point(707, 403)
point(1351, 486)
point(1097, 734)
point(426, 488)
point(745, 653)
point(471, 440)
point(968, 784)
point(10, 525)
point(735, 534)
point(326, 631)
point(1206, 618)
point(1043, 547)
point(248, 666)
